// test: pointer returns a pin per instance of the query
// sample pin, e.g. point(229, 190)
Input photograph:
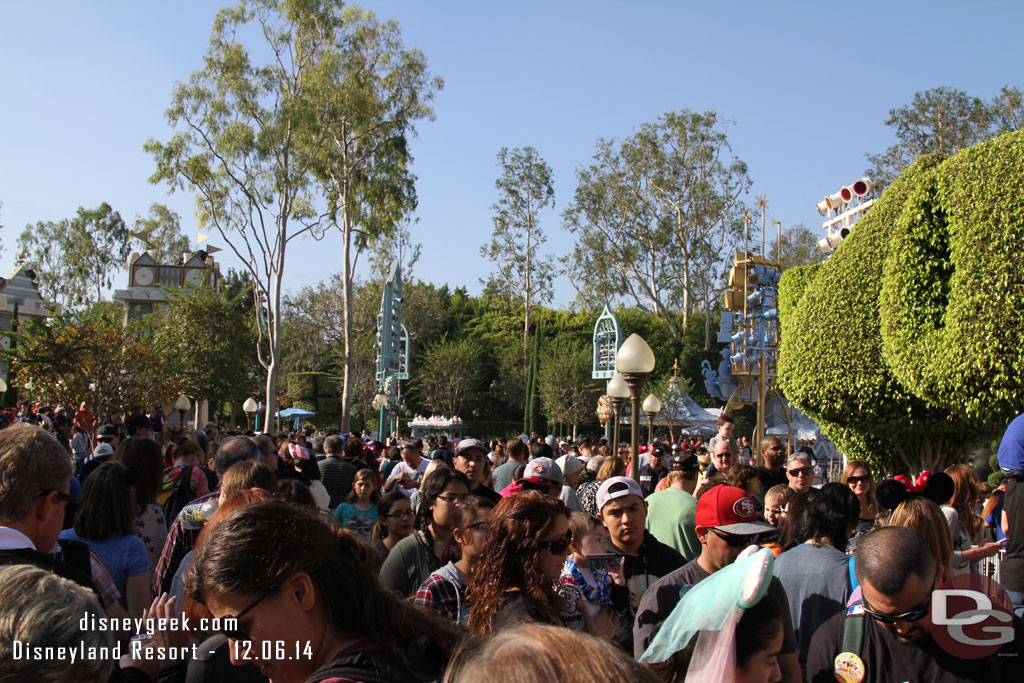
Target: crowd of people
point(298, 557)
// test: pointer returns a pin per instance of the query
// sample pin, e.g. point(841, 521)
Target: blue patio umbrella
point(297, 413)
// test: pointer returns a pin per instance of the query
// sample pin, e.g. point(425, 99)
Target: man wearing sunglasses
point(897, 574)
point(800, 472)
point(727, 523)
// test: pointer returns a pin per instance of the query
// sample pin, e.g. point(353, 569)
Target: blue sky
point(808, 86)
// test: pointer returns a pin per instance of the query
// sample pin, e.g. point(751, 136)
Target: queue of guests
point(364, 563)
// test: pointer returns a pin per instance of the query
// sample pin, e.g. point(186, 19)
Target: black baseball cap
point(683, 462)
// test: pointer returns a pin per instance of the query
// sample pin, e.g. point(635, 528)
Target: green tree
point(567, 392)
point(525, 189)
point(159, 234)
point(654, 211)
point(449, 379)
point(214, 362)
point(312, 139)
point(944, 120)
point(90, 355)
point(1008, 110)
point(75, 259)
point(799, 248)
point(398, 248)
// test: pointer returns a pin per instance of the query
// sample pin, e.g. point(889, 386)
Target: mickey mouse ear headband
point(937, 488)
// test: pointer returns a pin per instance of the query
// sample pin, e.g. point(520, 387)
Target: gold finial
point(675, 368)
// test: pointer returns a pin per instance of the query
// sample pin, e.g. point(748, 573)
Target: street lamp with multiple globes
point(651, 406)
point(182, 405)
point(249, 408)
point(618, 394)
point(635, 361)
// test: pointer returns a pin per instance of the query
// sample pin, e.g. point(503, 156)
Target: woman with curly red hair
point(526, 545)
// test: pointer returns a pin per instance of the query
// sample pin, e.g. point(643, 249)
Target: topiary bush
point(906, 345)
point(952, 300)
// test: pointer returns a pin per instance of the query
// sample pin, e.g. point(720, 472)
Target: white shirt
point(12, 539)
point(416, 474)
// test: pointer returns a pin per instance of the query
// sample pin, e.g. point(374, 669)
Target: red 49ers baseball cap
point(731, 510)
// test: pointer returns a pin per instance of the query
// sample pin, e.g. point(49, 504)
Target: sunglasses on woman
point(237, 632)
point(858, 480)
point(558, 546)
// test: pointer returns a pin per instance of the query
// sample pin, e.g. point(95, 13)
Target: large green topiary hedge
point(952, 300)
point(906, 344)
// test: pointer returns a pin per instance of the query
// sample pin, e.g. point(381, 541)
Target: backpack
point(181, 495)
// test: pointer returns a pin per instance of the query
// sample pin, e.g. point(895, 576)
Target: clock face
point(144, 276)
point(195, 277)
point(5, 343)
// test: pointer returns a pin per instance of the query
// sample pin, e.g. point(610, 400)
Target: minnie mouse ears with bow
point(937, 488)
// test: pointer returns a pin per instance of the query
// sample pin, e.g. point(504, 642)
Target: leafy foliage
point(209, 342)
point(312, 139)
point(952, 300)
point(799, 248)
point(450, 377)
point(904, 344)
point(525, 189)
point(75, 259)
point(944, 121)
point(655, 215)
point(91, 357)
point(162, 229)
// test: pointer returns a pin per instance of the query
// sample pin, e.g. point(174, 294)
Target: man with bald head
point(897, 574)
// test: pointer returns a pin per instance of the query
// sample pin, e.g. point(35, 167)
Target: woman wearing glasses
point(304, 604)
point(417, 556)
point(395, 520)
point(526, 545)
point(858, 477)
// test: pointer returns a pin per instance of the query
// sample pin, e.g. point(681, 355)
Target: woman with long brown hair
point(964, 524)
point(858, 477)
point(144, 454)
point(526, 545)
point(275, 574)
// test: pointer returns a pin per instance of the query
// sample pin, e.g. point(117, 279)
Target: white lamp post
point(182, 405)
point(651, 406)
point(635, 362)
point(618, 392)
point(249, 408)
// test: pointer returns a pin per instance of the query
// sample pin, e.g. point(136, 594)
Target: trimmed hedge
point(831, 362)
point(952, 300)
